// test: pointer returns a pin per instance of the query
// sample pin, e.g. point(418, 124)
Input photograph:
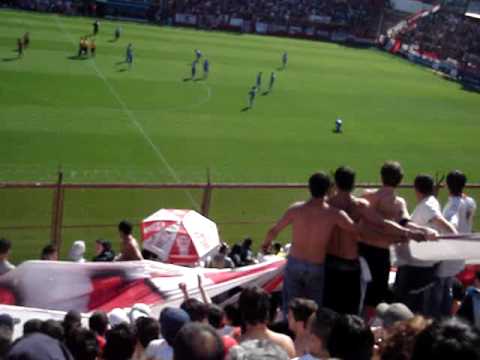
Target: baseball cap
point(118, 316)
point(391, 313)
point(171, 321)
point(139, 310)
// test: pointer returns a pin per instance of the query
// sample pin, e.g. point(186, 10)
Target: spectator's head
point(247, 243)
point(197, 341)
point(216, 316)
point(299, 311)
point(53, 329)
point(38, 346)
point(118, 316)
point(392, 313)
point(196, 310)
point(139, 310)
point(447, 339)
point(476, 282)
point(77, 251)
point(102, 246)
point(258, 350)
point(5, 246)
point(319, 184)
point(424, 186)
point(319, 328)
point(71, 321)
point(171, 321)
point(120, 343)
point(391, 173)
point(456, 181)
point(277, 248)
point(350, 339)
point(232, 315)
point(98, 322)
point(223, 249)
point(254, 306)
point(82, 344)
point(399, 341)
point(147, 329)
point(125, 229)
point(345, 179)
point(49, 252)
point(32, 326)
point(6, 333)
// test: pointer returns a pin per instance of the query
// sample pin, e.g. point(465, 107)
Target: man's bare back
point(312, 223)
point(388, 205)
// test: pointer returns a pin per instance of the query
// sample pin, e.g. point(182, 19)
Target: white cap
point(139, 310)
point(77, 251)
point(118, 316)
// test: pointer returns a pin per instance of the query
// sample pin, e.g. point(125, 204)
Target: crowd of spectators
point(447, 34)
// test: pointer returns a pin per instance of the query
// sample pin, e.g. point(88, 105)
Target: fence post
point(57, 213)
point(207, 196)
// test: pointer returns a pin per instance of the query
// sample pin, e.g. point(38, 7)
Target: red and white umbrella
point(179, 236)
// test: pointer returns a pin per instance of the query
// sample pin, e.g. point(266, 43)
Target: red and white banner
point(57, 285)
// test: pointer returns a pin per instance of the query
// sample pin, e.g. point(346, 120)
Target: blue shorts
point(303, 279)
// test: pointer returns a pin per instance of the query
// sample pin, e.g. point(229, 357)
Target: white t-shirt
point(159, 350)
point(306, 357)
point(459, 211)
point(426, 210)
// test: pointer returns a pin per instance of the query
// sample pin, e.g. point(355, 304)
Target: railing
point(91, 210)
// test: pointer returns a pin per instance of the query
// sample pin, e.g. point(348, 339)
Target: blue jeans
point(302, 279)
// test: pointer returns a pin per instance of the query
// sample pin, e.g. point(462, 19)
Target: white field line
point(131, 116)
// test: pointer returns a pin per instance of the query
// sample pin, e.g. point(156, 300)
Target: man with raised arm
point(313, 223)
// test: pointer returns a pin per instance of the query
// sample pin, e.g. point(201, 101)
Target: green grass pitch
point(102, 123)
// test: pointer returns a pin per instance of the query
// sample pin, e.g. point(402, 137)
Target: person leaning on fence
point(129, 245)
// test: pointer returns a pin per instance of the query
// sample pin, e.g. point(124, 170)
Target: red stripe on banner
point(231, 275)
point(113, 292)
point(273, 284)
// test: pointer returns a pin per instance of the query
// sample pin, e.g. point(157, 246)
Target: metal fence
point(35, 213)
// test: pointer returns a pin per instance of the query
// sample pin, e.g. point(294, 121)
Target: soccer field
point(101, 122)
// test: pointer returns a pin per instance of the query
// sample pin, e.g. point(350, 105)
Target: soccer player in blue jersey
point(259, 80)
point(198, 54)
point(251, 97)
point(129, 56)
point(273, 76)
point(206, 68)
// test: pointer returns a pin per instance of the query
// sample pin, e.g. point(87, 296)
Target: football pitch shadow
point(11, 59)
point(246, 108)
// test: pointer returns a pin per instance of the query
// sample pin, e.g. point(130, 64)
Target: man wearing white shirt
point(415, 279)
point(459, 211)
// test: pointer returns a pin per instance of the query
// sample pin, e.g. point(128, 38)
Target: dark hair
point(223, 249)
point(391, 173)
point(98, 322)
point(321, 324)
point(456, 181)
point(319, 184)
point(5, 341)
point(247, 242)
point(71, 321)
point(147, 329)
point(82, 344)
point(53, 328)
point(345, 178)
point(47, 251)
point(477, 275)
point(197, 341)
point(197, 310)
point(106, 245)
point(401, 337)
point(254, 305)
point(5, 246)
point(32, 326)
point(233, 314)
point(302, 308)
point(447, 339)
point(350, 339)
point(125, 227)
point(424, 184)
point(215, 316)
point(277, 246)
point(120, 343)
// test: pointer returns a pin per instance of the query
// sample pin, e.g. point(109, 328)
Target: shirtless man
point(342, 266)
point(130, 250)
point(375, 248)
